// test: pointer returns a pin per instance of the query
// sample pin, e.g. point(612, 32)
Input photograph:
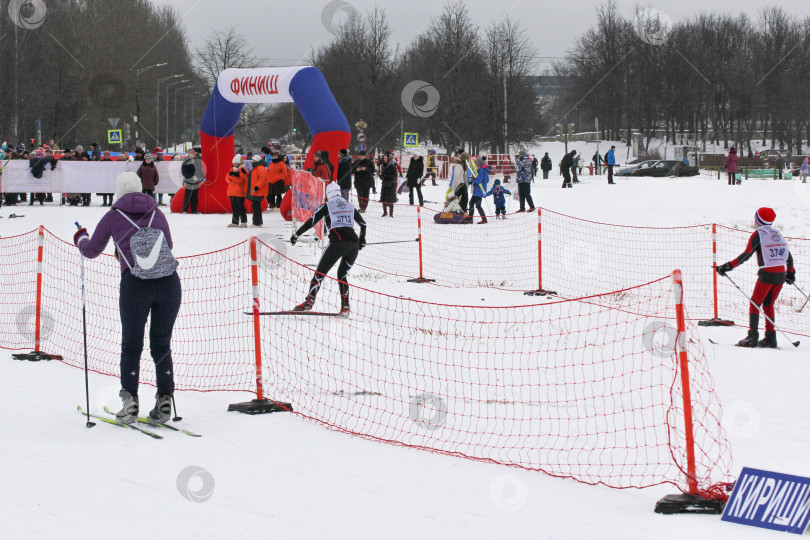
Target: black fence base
point(35, 356)
point(260, 406)
point(421, 280)
point(684, 503)
point(716, 322)
point(540, 292)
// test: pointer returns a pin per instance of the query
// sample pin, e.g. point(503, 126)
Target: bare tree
point(222, 50)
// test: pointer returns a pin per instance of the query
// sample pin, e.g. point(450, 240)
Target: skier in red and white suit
point(775, 269)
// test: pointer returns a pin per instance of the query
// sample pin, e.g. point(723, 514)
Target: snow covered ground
point(279, 476)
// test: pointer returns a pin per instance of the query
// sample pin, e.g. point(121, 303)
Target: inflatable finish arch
point(303, 85)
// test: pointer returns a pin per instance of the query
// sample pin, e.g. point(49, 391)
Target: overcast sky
point(285, 32)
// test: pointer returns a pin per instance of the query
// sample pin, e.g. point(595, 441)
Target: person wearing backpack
point(150, 286)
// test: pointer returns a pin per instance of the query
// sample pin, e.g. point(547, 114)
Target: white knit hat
point(127, 182)
point(332, 191)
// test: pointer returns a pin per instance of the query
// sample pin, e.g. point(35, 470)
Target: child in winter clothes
point(497, 193)
point(805, 170)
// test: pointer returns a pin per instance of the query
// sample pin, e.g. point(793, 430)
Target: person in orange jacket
point(279, 178)
point(258, 187)
point(237, 180)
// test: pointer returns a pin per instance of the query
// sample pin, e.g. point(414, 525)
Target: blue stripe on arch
point(221, 116)
point(316, 103)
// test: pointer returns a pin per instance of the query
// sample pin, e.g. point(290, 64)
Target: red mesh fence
point(588, 389)
point(577, 258)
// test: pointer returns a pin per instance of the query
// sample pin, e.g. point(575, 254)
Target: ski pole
point(794, 343)
point(392, 242)
point(806, 298)
point(89, 424)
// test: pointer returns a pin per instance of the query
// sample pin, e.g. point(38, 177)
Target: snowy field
point(280, 476)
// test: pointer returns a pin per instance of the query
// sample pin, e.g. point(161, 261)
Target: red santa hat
point(764, 216)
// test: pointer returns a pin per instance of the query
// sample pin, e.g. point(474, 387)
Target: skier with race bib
point(340, 217)
point(775, 269)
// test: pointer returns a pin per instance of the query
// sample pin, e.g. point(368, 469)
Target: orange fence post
point(421, 278)
point(693, 501)
point(260, 405)
point(540, 290)
point(683, 359)
point(257, 342)
point(716, 321)
point(714, 263)
point(38, 318)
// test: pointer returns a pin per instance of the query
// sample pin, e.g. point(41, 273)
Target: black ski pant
point(256, 207)
point(139, 299)
point(190, 200)
point(475, 202)
point(463, 197)
point(566, 178)
point(238, 210)
point(362, 196)
point(418, 189)
point(525, 194)
point(610, 174)
point(344, 251)
point(545, 175)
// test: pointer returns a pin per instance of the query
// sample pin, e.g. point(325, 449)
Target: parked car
point(669, 168)
point(661, 168)
point(627, 171)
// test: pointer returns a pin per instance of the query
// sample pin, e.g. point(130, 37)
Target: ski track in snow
point(280, 476)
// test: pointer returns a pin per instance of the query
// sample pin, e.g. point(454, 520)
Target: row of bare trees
point(447, 84)
point(727, 77)
point(63, 76)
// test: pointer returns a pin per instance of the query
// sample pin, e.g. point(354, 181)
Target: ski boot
point(163, 408)
point(769, 341)
point(753, 333)
point(306, 305)
point(750, 341)
point(129, 413)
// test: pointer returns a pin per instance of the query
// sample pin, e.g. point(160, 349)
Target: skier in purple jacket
point(139, 298)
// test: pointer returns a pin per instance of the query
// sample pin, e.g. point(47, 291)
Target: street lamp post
point(168, 86)
point(505, 102)
point(176, 96)
point(138, 98)
point(157, 107)
point(193, 117)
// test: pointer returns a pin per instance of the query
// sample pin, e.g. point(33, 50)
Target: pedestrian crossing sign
point(114, 136)
point(411, 140)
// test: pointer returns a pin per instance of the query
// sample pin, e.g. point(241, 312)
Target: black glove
point(255, 189)
point(723, 268)
point(362, 242)
point(293, 239)
point(790, 278)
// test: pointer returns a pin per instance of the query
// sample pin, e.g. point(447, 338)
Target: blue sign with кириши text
point(770, 500)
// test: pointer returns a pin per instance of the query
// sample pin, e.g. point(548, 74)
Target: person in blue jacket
point(498, 198)
point(611, 162)
point(479, 184)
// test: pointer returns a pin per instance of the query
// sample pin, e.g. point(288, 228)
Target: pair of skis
point(114, 421)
